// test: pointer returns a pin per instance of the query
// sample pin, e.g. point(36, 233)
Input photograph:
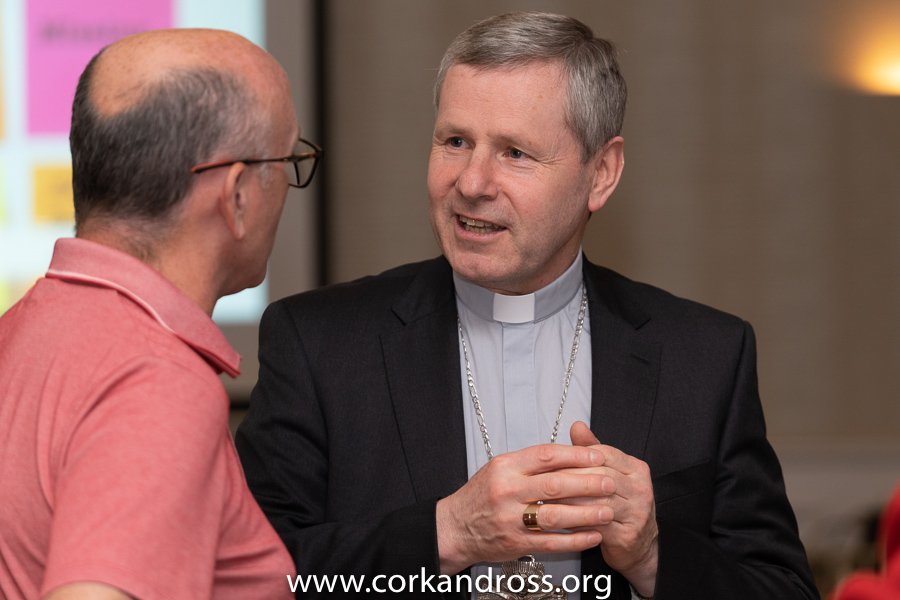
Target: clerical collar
point(521, 309)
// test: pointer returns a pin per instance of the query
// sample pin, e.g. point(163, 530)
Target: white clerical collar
point(521, 309)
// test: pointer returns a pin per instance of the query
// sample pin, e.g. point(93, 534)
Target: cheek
point(438, 194)
point(442, 174)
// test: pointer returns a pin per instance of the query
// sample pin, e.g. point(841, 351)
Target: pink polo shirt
point(116, 462)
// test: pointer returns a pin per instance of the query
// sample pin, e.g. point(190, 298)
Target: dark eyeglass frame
point(293, 158)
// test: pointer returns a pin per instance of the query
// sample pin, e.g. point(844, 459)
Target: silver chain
point(474, 393)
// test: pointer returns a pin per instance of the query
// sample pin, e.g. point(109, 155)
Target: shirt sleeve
point(137, 493)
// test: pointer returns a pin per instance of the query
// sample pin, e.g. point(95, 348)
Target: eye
point(455, 142)
point(515, 153)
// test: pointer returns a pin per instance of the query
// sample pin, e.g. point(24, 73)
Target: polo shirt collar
point(84, 261)
point(521, 309)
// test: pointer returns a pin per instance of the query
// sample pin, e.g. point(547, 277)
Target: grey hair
point(596, 92)
point(135, 164)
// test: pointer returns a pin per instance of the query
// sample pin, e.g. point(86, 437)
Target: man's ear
point(233, 200)
point(608, 163)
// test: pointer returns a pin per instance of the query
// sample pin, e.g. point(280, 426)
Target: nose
point(477, 179)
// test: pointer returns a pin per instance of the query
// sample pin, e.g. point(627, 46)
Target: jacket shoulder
point(645, 305)
point(368, 295)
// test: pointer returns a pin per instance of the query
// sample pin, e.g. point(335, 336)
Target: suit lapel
point(625, 370)
point(625, 366)
point(422, 363)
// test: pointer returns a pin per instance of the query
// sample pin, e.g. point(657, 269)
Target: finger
point(549, 457)
point(618, 460)
point(605, 471)
point(557, 485)
point(551, 517)
point(598, 528)
point(580, 501)
point(551, 542)
point(608, 486)
point(582, 435)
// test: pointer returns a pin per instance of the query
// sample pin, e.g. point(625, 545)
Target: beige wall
point(752, 182)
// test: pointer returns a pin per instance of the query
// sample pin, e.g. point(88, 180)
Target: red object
point(116, 462)
point(883, 585)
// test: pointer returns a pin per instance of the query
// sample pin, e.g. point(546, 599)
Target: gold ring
point(529, 517)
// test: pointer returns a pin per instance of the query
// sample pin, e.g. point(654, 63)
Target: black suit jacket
point(355, 430)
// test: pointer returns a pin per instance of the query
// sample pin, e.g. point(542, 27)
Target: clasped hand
point(596, 492)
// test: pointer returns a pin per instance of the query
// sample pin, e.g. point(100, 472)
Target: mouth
point(476, 226)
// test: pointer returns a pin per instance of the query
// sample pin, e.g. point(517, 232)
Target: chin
point(486, 275)
point(257, 281)
point(248, 283)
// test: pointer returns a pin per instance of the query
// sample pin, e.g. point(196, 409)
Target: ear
point(234, 199)
point(608, 164)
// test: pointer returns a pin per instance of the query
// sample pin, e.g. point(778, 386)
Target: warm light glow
point(883, 79)
point(864, 40)
point(877, 68)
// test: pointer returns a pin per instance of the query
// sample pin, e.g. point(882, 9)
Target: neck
point(135, 238)
point(163, 253)
point(521, 308)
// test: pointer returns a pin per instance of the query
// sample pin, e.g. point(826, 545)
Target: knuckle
point(500, 463)
point(508, 546)
point(551, 485)
point(499, 493)
point(552, 544)
point(545, 453)
point(548, 517)
point(628, 538)
point(643, 494)
point(643, 469)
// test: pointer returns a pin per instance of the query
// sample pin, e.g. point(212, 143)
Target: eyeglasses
point(300, 165)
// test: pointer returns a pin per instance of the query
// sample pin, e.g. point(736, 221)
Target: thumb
point(581, 435)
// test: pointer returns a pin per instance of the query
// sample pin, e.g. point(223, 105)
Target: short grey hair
point(136, 164)
point(596, 91)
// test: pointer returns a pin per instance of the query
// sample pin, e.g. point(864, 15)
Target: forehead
point(528, 97)
point(537, 87)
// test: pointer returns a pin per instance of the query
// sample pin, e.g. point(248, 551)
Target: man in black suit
point(398, 430)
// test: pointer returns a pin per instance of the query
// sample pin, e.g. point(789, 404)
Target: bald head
point(154, 104)
point(127, 67)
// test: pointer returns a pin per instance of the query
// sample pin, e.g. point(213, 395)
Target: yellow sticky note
point(53, 194)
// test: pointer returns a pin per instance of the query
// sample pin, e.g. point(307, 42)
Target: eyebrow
point(449, 129)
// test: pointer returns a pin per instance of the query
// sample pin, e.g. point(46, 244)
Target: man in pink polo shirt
point(118, 477)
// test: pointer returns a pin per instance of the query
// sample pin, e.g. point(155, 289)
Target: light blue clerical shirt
point(519, 348)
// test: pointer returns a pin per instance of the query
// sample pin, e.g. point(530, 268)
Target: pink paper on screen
point(62, 36)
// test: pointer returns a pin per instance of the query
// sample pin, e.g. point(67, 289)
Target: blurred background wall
point(762, 152)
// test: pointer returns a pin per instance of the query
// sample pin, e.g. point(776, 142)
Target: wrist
point(643, 577)
point(451, 558)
